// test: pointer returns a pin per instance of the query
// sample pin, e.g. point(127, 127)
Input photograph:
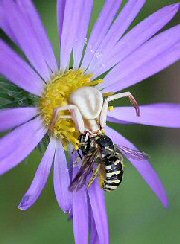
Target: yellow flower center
point(57, 94)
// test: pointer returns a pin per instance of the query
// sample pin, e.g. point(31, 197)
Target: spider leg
point(104, 111)
point(75, 115)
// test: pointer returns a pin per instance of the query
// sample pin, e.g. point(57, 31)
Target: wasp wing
point(131, 153)
point(84, 171)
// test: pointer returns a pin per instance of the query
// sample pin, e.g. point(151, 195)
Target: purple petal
point(61, 179)
point(82, 31)
point(121, 24)
point(153, 56)
point(5, 26)
point(136, 37)
point(94, 234)
point(60, 8)
point(71, 21)
point(18, 144)
point(25, 37)
point(148, 69)
point(18, 71)
point(92, 227)
point(40, 178)
point(80, 216)
point(13, 117)
point(143, 166)
point(167, 115)
point(80, 205)
point(98, 206)
point(100, 29)
point(34, 20)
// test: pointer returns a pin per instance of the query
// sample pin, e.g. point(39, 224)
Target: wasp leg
point(78, 158)
point(77, 161)
point(102, 176)
point(95, 175)
point(77, 151)
point(79, 154)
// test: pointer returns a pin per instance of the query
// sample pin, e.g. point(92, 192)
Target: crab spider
point(87, 107)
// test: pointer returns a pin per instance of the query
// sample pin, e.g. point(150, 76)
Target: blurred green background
point(136, 216)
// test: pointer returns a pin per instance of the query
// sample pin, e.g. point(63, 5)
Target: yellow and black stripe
point(113, 173)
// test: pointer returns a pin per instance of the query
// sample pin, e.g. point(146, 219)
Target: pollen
point(111, 108)
point(57, 94)
point(107, 94)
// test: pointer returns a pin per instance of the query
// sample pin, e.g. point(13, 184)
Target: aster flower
point(122, 59)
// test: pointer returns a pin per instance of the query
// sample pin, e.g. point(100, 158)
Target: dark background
point(136, 215)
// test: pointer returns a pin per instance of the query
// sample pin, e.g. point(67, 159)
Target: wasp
point(101, 157)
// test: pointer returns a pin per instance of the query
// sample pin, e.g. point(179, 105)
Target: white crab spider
point(88, 110)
